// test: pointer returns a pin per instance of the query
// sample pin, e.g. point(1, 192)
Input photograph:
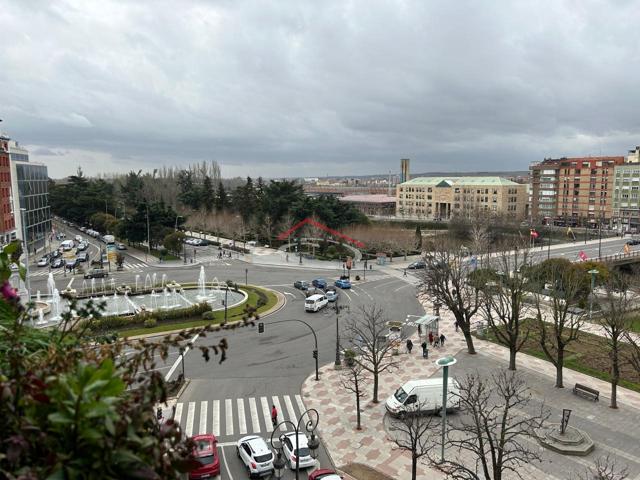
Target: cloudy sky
point(309, 88)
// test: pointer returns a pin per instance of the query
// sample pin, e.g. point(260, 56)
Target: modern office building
point(441, 198)
point(30, 191)
point(7, 220)
point(573, 191)
point(626, 190)
point(404, 170)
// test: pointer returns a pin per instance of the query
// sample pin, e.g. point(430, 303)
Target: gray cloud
point(313, 88)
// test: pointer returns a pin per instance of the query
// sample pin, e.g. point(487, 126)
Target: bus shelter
point(428, 323)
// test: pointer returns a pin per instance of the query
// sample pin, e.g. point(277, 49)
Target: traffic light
point(260, 327)
point(315, 354)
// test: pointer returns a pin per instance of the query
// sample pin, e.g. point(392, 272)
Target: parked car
point(96, 273)
point(332, 295)
point(633, 241)
point(206, 453)
point(324, 474)
point(305, 460)
point(315, 303)
point(256, 456)
point(78, 238)
point(319, 283)
point(342, 283)
point(43, 262)
point(121, 246)
point(417, 265)
point(82, 247)
point(57, 263)
point(82, 257)
point(301, 285)
point(55, 254)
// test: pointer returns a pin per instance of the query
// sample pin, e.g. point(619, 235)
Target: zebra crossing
point(236, 417)
point(133, 267)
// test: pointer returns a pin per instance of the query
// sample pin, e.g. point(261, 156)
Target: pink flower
point(8, 292)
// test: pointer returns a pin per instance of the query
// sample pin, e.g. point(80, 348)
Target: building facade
point(626, 190)
point(441, 198)
point(30, 197)
point(405, 176)
point(573, 191)
point(7, 220)
point(372, 205)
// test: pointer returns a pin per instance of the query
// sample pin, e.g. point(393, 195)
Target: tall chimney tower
point(404, 170)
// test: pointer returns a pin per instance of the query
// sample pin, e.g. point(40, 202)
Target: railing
point(616, 257)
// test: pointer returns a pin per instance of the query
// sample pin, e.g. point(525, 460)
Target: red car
point(206, 454)
point(324, 474)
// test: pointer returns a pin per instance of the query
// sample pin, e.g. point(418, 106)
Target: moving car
point(633, 241)
point(319, 283)
point(314, 303)
point(96, 273)
point(43, 262)
point(121, 246)
point(425, 394)
point(256, 456)
point(301, 285)
point(332, 295)
point(67, 245)
point(82, 257)
point(206, 453)
point(81, 247)
point(55, 254)
point(303, 454)
point(71, 263)
point(342, 283)
point(57, 263)
point(324, 474)
point(417, 265)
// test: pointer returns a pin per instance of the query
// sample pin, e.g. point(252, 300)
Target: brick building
point(7, 221)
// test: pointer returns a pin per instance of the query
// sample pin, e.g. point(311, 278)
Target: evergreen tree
point(221, 201)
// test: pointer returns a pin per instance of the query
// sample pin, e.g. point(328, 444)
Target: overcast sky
point(295, 88)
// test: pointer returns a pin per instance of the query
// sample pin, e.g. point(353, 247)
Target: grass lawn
point(635, 326)
point(233, 314)
point(588, 355)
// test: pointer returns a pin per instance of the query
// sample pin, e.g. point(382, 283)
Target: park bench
point(587, 392)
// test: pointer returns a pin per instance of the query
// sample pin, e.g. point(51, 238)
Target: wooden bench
point(587, 392)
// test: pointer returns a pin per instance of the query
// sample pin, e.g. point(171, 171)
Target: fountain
point(137, 278)
point(84, 287)
point(164, 279)
point(113, 284)
point(147, 282)
point(202, 289)
point(51, 285)
point(175, 299)
point(103, 289)
point(40, 317)
point(116, 310)
point(93, 286)
point(154, 279)
point(38, 297)
point(154, 300)
point(55, 305)
point(166, 297)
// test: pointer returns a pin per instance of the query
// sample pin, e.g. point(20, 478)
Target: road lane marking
point(177, 416)
point(366, 293)
point(290, 410)
point(177, 362)
point(266, 413)
point(405, 285)
point(355, 293)
point(276, 402)
point(255, 421)
point(188, 430)
point(241, 417)
point(347, 295)
point(228, 411)
point(226, 464)
point(300, 404)
point(203, 416)
point(215, 411)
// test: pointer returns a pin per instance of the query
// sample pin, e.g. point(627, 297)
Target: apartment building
point(626, 190)
point(441, 198)
point(573, 191)
point(7, 221)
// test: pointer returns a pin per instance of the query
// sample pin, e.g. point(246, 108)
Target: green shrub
point(150, 322)
point(179, 313)
point(209, 315)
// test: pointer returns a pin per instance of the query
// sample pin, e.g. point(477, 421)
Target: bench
point(587, 392)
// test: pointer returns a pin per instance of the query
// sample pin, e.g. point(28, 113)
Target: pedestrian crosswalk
point(236, 417)
point(132, 267)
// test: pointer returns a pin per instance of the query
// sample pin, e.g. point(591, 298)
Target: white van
point(426, 393)
point(67, 245)
point(313, 303)
point(252, 243)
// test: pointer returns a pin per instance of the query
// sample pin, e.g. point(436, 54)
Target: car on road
point(302, 453)
point(57, 263)
point(55, 254)
point(342, 283)
point(78, 238)
point(43, 262)
point(315, 303)
point(324, 474)
point(633, 241)
point(332, 295)
point(301, 285)
point(319, 283)
point(206, 454)
point(71, 263)
point(82, 257)
point(417, 265)
point(256, 456)
point(121, 246)
point(82, 247)
point(96, 273)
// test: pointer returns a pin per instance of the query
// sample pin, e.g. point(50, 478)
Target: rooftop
point(461, 181)
point(374, 198)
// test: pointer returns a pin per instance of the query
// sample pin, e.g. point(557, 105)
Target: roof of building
point(374, 198)
point(461, 181)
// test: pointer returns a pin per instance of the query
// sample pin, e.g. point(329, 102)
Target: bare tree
point(559, 322)
point(412, 433)
point(605, 468)
point(492, 436)
point(616, 322)
point(634, 350)
point(445, 281)
point(367, 332)
point(503, 300)
point(353, 379)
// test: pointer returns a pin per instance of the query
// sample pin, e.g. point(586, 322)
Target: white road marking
point(354, 292)
point(228, 411)
point(366, 293)
point(177, 362)
point(290, 410)
point(70, 282)
point(203, 416)
point(288, 293)
point(255, 421)
point(400, 288)
point(215, 411)
point(241, 417)
point(188, 429)
point(266, 413)
point(276, 402)
point(346, 295)
point(226, 464)
point(177, 416)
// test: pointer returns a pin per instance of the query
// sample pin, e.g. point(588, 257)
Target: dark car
point(82, 257)
point(57, 263)
point(417, 265)
point(319, 283)
point(633, 241)
point(96, 273)
point(206, 453)
point(301, 285)
point(55, 254)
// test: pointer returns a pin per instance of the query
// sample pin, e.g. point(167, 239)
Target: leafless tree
point(605, 468)
point(559, 321)
point(354, 379)
point(375, 354)
point(412, 433)
point(634, 350)
point(492, 437)
point(615, 305)
point(445, 281)
point(503, 300)
point(479, 234)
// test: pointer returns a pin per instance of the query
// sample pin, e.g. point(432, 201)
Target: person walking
point(442, 339)
point(430, 338)
point(425, 351)
point(409, 346)
point(274, 415)
point(405, 272)
point(456, 325)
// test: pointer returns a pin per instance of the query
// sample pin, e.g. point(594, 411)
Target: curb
point(184, 386)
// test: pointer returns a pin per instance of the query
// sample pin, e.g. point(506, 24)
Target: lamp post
point(27, 282)
point(148, 252)
point(226, 292)
point(593, 273)
point(549, 242)
point(338, 308)
point(600, 239)
point(246, 276)
point(445, 363)
point(176, 227)
point(308, 424)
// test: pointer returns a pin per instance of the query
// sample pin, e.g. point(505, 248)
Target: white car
point(305, 460)
point(43, 262)
point(256, 456)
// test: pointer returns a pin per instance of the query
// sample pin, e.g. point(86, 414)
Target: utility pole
point(148, 236)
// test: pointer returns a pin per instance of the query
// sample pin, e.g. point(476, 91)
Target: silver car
point(256, 455)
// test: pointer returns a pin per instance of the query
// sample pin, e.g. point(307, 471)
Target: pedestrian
point(436, 342)
point(456, 325)
point(405, 272)
point(425, 352)
point(274, 415)
point(430, 338)
point(442, 339)
point(409, 346)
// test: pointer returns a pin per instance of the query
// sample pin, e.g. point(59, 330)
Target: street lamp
point(27, 282)
point(445, 363)
point(304, 425)
point(338, 308)
point(226, 292)
point(593, 273)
